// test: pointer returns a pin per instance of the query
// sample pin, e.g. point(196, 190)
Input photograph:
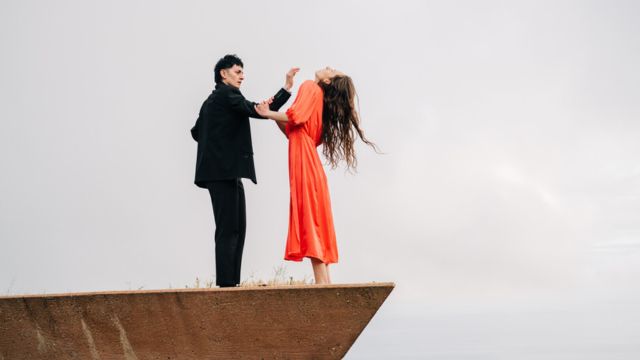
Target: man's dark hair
point(225, 63)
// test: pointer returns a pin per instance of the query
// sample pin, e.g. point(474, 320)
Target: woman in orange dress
point(322, 113)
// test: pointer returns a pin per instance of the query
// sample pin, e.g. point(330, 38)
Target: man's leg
point(242, 229)
point(229, 236)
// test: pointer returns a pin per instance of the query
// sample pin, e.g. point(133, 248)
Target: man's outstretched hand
point(288, 83)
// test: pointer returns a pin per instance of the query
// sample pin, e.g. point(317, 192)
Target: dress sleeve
point(307, 99)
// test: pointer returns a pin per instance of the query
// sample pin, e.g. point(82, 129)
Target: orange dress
point(311, 231)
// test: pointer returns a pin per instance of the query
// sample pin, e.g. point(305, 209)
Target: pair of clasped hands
point(263, 107)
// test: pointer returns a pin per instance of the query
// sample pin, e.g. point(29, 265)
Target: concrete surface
point(284, 322)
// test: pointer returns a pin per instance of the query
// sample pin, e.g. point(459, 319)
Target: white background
point(505, 207)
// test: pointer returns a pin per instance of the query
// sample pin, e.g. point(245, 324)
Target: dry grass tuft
point(279, 278)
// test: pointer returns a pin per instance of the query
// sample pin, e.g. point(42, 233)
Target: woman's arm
point(280, 118)
point(282, 126)
point(263, 110)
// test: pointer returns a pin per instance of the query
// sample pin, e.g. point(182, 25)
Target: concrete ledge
point(283, 322)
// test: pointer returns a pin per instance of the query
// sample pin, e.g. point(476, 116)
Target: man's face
point(233, 76)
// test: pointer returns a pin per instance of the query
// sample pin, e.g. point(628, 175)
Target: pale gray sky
point(509, 193)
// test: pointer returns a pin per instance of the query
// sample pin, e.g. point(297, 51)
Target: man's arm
point(195, 130)
point(246, 107)
point(241, 105)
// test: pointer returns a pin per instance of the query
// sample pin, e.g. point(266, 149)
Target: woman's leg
point(320, 271)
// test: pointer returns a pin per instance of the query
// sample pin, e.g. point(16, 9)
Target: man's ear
point(223, 73)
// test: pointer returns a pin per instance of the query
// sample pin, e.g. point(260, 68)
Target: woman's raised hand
point(288, 83)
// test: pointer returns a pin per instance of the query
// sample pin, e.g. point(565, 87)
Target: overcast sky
point(505, 206)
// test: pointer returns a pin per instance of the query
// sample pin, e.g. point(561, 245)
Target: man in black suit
point(225, 156)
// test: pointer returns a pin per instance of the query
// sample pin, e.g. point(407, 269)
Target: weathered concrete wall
point(288, 322)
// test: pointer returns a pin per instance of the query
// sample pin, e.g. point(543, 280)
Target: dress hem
point(301, 258)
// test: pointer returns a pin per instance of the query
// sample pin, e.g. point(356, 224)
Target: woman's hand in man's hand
point(263, 108)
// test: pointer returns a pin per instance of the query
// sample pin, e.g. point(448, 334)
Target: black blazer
point(224, 135)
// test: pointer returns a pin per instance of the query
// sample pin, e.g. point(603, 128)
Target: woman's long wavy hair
point(340, 122)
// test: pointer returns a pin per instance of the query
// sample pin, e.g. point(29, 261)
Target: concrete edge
point(190, 290)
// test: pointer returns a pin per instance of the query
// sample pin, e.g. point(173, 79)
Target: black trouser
point(229, 212)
